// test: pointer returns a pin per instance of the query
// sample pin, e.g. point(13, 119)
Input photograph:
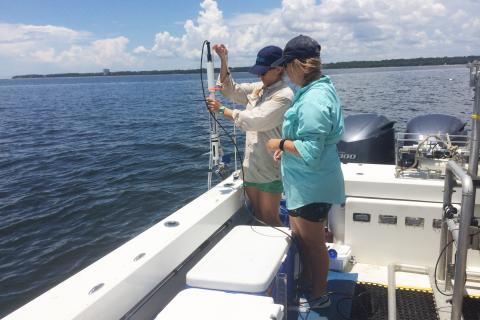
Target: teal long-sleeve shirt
point(314, 123)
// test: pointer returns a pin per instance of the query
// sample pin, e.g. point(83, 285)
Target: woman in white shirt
point(266, 102)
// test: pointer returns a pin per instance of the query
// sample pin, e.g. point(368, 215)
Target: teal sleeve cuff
point(221, 110)
point(310, 151)
point(302, 150)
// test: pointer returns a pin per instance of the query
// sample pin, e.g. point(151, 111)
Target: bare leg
point(269, 204)
point(253, 196)
point(306, 272)
point(312, 243)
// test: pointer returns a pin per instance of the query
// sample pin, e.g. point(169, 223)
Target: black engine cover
point(368, 138)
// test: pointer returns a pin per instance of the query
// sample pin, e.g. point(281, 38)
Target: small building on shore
point(106, 72)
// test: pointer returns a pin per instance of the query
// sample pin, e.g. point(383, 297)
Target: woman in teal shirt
point(311, 171)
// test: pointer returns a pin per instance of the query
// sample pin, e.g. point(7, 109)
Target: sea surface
point(88, 163)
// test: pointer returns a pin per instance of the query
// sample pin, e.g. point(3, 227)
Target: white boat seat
point(245, 260)
point(196, 303)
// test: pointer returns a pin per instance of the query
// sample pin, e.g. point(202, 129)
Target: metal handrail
point(459, 231)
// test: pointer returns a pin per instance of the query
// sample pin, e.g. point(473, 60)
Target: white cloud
point(101, 53)
point(209, 25)
point(346, 29)
point(141, 50)
point(17, 40)
point(62, 48)
point(14, 33)
point(165, 45)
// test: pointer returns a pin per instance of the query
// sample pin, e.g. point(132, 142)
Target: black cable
point(235, 145)
point(438, 260)
point(435, 270)
point(212, 114)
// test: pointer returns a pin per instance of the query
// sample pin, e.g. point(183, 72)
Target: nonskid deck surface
point(471, 308)
point(361, 294)
point(371, 302)
point(342, 286)
point(361, 301)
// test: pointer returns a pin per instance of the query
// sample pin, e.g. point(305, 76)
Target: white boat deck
point(126, 275)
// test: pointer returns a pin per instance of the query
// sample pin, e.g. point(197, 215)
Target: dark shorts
point(315, 212)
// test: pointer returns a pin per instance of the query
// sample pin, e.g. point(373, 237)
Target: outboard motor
point(435, 124)
point(368, 138)
point(430, 127)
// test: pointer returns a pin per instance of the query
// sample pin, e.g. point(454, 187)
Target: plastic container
point(284, 213)
point(339, 256)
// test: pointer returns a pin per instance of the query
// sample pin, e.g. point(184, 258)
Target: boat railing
point(426, 155)
point(461, 229)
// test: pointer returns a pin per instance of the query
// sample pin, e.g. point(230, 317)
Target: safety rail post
point(466, 213)
point(447, 201)
point(475, 137)
point(460, 231)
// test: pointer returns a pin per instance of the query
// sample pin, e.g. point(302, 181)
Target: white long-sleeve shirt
point(262, 120)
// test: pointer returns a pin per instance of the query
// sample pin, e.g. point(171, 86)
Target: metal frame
point(458, 228)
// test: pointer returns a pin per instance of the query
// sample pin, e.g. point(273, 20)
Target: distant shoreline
point(336, 65)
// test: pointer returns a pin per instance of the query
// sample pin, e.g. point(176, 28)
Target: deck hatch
point(387, 219)
point(361, 217)
point(414, 221)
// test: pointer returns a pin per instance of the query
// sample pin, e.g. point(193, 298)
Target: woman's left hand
point(272, 145)
point(213, 105)
point(277, 156)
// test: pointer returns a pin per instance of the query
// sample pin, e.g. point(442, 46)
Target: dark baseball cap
point(300, 47)
point(265, 58)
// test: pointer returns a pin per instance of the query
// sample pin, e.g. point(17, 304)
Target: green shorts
point(271, 187)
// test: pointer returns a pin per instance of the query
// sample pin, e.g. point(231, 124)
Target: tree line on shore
point(334, 65)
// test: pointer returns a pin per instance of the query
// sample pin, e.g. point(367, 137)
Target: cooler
point(245, 260)
point(217, 305)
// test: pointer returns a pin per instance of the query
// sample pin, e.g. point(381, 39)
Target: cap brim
point(258, 70)
point(282, 61)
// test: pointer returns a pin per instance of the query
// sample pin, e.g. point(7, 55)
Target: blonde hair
point(311, 68)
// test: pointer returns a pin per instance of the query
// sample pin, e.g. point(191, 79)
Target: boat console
point(417, 215)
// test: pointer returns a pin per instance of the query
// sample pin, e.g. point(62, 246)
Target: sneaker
point(319, 303)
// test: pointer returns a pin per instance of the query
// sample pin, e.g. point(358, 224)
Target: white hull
point(370, 189)
point(126, 281)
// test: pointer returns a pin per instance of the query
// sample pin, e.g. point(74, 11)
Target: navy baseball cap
point(300, 47)
point(265, 58)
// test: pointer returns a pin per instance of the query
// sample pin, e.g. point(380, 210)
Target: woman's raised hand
point(221, 50)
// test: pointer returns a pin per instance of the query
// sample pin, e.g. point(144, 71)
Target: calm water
point(88, 163)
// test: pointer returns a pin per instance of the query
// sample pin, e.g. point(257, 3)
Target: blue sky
point(137, 20)
point(86, 36)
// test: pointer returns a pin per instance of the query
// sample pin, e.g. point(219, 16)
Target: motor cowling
point(435, 124)
point(367, 138)
point(425, 130)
